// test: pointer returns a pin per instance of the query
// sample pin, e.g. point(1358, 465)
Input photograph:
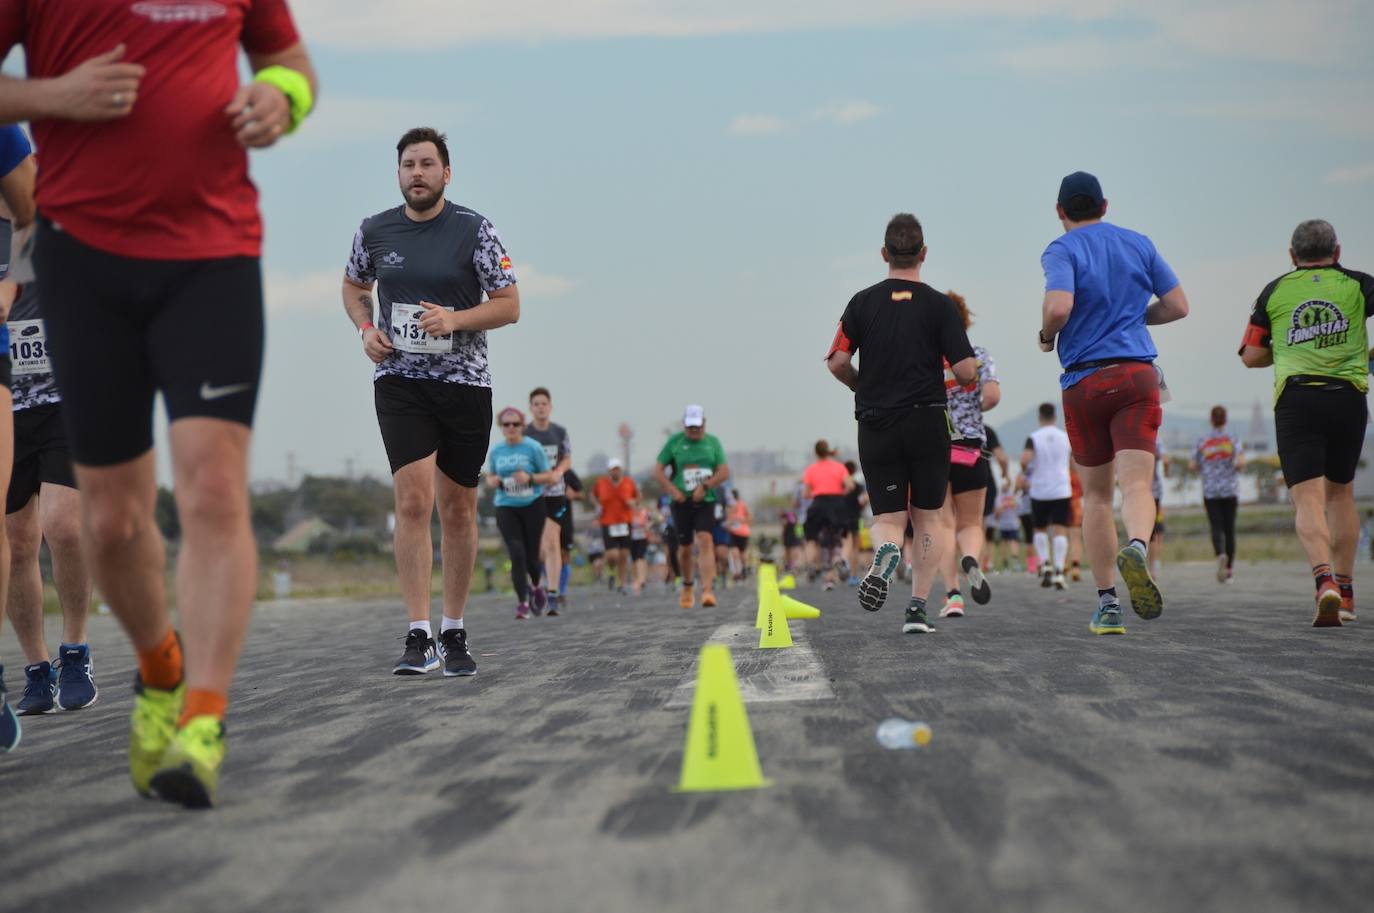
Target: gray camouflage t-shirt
point(557, 445)
point(966, 403)
point(33, 383)
point(450, 261)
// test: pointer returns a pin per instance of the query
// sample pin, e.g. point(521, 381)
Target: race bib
point(407, 336)
point(639, 533)
point(693, 476)
point(618, 530)
point(516, 489)
point(29, 347)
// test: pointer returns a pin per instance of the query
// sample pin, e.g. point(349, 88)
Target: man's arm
point(841, 365)
point(721, 475)
point(1171, 306)
point(260, 113)
point(16, 189)
point(358, 304)
point(991, 395)
point(9, 291)
point(1257, 357)
point(1000, 455)
point(101, 88)
point(1027, 457)
point(1054, 314)
point(965, 370)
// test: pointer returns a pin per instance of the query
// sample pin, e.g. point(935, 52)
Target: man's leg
point(949, 557)
point(1135, 472)
point(706, 543)
point(413, 542)
point(1060, 541)
point(551, 551)
point(926, 549)
point(623, 559)
point(1343, 525)
point(1309, 507)
point(59, 516)
point(1099, 526)
point(970, 539)
point(24, 603)
point(458, 521)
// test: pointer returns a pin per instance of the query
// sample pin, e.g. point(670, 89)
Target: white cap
point(614, 463)
point(693, 417)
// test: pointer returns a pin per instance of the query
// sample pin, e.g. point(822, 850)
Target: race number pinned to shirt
point(407, 335)
point(517, 489)
point(694, 476)
point(618, 530)
point(29, 347)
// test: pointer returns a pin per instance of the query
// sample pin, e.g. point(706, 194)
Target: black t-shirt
point(902, 331)
point(993, 441)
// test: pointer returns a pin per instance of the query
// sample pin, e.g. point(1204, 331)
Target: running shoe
point(189, 772)
point(75, 681)
point(420, 655)
point(1328, 609)
point(708, 600)
point(522, 612)
point(453, 647)
point(828, 586)
point(1146, 600)
point(686, 596)
point(1347, 612)
point(841, 568)
point(1047, 579)
point(917, 622)
point(1222, 569)
point(40, 690)
point(152, 726)
point(1058, 580)
point(10, 730)
point(873, 588)
point(853, 580)
point(978, 585)
point(539, 600)
point(954, 606)
point(1107, 620)
point(1076, 575)
point(554, 601)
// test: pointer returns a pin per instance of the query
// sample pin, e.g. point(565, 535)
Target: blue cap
point(1080, 183)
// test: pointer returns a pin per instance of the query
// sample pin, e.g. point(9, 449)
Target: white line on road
point(765, 676)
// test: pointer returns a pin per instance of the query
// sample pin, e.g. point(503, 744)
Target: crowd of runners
point(141, 228)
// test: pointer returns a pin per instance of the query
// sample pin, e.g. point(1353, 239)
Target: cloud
point(542, 285)
point(756, 125)
point(846, 113)
point(304, 292)
point(1351, 174)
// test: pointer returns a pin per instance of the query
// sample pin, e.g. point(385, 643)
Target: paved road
point(1220, 758)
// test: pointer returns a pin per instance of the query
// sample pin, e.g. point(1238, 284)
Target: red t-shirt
point(615, 499)
point(826, 477)
point(169, 181)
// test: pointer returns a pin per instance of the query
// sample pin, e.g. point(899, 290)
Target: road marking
point(765, 676)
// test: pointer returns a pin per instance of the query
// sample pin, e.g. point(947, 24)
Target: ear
point(883, 252)
point(1059, 211)
point(1292, 256)
point(448, 175)
point(1336, 257)
point(1104, 208)
point(921, 257)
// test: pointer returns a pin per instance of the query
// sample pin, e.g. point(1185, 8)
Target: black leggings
point(522, 528)
point(1221, 516)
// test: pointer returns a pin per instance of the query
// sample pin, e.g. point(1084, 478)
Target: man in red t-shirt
point(147, 252)
point(618, 496)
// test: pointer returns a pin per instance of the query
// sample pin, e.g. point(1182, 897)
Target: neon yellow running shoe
point(189, 773)
point(151, 728)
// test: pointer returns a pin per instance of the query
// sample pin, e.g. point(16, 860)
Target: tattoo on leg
point(925, 546)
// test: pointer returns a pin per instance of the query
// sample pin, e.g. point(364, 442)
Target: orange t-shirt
point(739, 519)
point(615, 499)
point(826, 477)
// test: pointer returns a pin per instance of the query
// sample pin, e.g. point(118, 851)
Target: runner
point(518, 471)
point(17, 172)
point(737, 521)
point(1046, 459)
point(720, 536)
point(557, 541)
point(1310, 325)
point(1008, 533)
point(905, 330)
point(698, 464)
point(792, 550)
point(43, 503)
point(826, 484)
point(857, 502)
point(1099, 280)
point(150, 235)
point(618, 497)
point(1219, 457)
point(639, 547)
point(431, 261)
point(670, 544)
point(969, 476)
point(1075, 525)
point(1025, 512)
point(995, 454)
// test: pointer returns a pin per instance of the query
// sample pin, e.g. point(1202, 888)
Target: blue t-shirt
point(1113, 273)
point(14, 148)
point(506, 460)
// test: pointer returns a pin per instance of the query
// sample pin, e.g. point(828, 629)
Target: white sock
point(450, 624)
point(1061, 551)
point(1042, 548)
point(422, 626)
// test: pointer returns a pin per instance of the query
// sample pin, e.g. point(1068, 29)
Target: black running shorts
point(639, 549)
point(692, 517)
point(614, 542)
point(122, 329)
point(906, 460)
point(40, 455)
point(827, 520)
point(1320, 432)
point(6, 371)
point(970, 478)
point(560, 510)
point(420, 417)
point(1050, 513)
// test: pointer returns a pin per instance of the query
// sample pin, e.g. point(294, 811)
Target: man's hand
point(521, 477)
point(102, 88)
point(259, 114)
point(676, 495)
point(1044, 346)
point(376, 346)
point(699, 494)
point(438, 321)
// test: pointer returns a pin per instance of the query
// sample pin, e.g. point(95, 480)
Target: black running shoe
point(421, 655)
point(978, 585)
point(40, 690)
point(453, 647)
point(10, 729)
point(873, 588)
point(1047, 579)
point(917, 622)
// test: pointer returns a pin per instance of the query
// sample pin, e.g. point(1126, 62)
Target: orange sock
point(160, 666)
point(200, 702)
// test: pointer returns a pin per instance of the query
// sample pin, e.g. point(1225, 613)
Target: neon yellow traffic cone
point(720, 753)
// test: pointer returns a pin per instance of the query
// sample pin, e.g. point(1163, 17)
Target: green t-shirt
point(693, 462)
point(1313, 318)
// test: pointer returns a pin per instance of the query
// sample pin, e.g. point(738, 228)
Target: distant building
point(1257, 436)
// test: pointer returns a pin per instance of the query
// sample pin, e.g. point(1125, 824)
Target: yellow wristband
point(294, 86)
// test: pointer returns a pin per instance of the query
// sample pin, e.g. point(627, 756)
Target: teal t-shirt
point(505, 460)
point(693, 462)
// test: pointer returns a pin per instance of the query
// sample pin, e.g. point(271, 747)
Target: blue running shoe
point(10, 730)
point(75, 681)
point(1107, 620)
point(39, 690)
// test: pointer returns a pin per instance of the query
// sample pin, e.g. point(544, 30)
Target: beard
point(423, 198)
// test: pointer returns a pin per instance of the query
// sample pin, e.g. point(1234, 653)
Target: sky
point(692, 191)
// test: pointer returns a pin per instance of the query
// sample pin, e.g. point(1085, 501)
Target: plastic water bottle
point(898, 734)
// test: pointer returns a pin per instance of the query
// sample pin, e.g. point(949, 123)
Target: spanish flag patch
point(901, 296)
point(505, 264)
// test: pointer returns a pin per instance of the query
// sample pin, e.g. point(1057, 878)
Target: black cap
point(1080, 183)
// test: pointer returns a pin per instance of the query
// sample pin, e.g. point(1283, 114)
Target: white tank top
point(1050, 467)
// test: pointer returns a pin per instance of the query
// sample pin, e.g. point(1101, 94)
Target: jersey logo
point(901, 296)
point(393, 259)
point(208, 392)
point(1320, 323)
point(174, 11)
point(505, 264)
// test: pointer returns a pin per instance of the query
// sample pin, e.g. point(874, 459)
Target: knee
point(413, 505)
point(63, 534)
point(111, 525)
point(456, 512)
point(212, 498)
point(23, 544)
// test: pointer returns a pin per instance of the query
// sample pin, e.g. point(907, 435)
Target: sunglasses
point(512, 424)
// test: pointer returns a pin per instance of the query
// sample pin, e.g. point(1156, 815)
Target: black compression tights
point(1221, 516)
point(522, 528)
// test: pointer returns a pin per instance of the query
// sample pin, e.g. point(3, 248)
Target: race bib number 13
point(693, 476)
point(407, 336)
point(29, 347)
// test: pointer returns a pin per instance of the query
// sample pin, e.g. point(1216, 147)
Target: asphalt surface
point(1219, 758)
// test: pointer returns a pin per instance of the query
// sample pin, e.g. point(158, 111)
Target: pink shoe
point(954, 607)
point(522, 612)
